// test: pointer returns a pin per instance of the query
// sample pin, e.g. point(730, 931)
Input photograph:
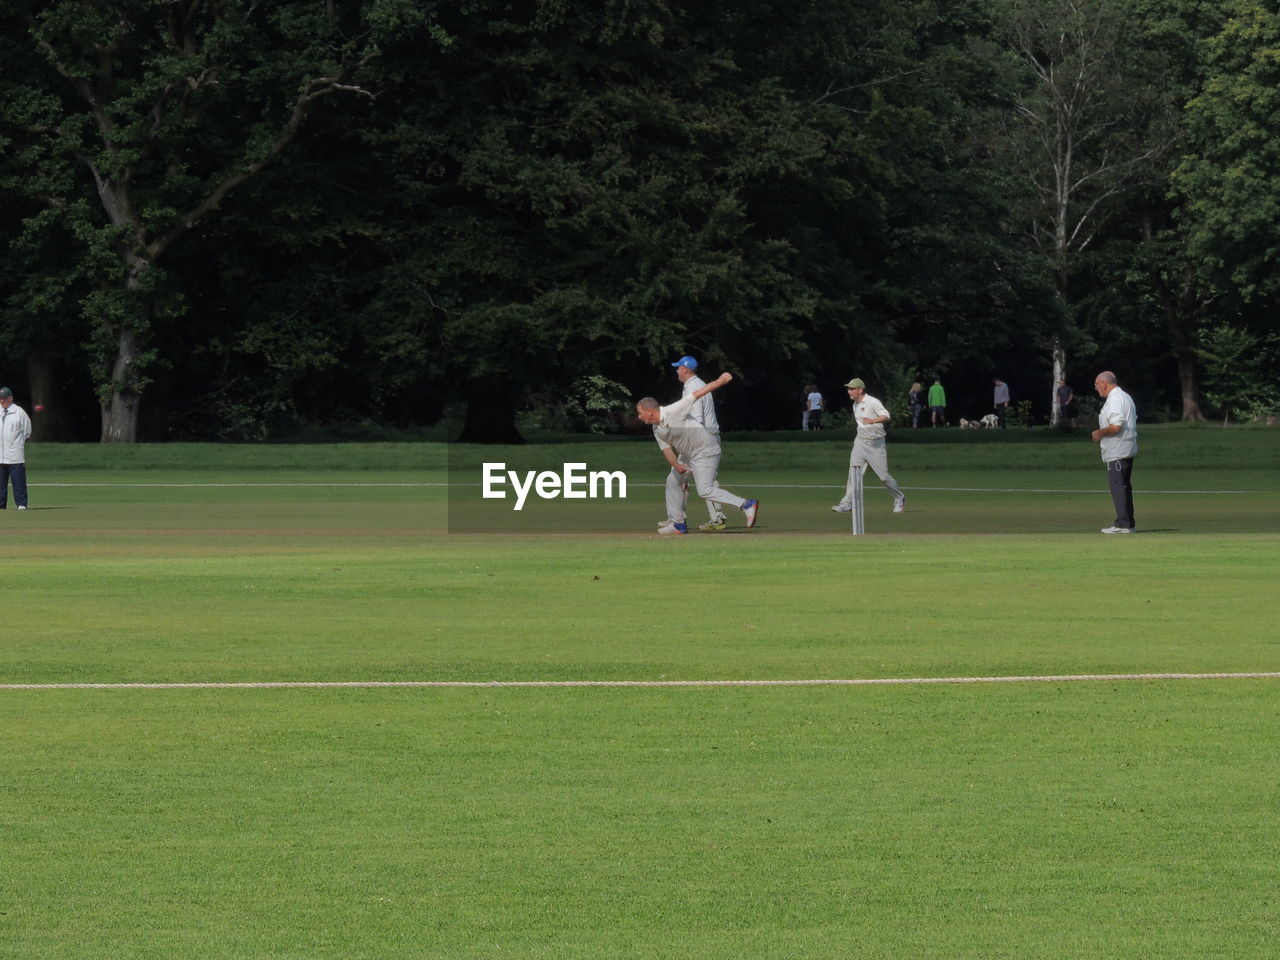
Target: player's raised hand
point(724, 378)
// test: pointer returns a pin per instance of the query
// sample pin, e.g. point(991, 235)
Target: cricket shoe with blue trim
point(752, 509)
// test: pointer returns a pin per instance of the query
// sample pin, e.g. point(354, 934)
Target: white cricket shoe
point(673, 527)
point(899, 505)
point(842, 508)
point(1116, 530)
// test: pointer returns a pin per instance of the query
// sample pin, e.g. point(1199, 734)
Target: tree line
point(231, 220)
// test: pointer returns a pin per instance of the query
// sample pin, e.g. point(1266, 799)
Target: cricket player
point(690, 449)
point(704, 412)
point(869, 446)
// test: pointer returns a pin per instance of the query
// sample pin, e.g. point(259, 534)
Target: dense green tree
point(132, 122)
point(1145, 291)
point(1230, 174)
point(258, 217)
point(1086, 125)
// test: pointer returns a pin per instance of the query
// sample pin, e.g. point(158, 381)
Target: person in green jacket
point(937, 404)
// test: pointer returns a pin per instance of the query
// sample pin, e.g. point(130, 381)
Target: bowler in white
point(689, 448)
point(870, 416)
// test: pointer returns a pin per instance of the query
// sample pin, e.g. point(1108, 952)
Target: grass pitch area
point(1117, 819)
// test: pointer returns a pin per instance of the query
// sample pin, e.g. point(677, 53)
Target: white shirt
point(1119, 410)
point(15, 430)
point(677, 430)
point(815, 401)
point(704, 410)
point(869, 406)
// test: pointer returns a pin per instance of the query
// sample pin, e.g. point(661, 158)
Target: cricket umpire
point(1117, 436)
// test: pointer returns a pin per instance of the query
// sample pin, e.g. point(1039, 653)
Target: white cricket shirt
point(1119, 410)
point(677, 430)
point(703, 410)
point(869, 406)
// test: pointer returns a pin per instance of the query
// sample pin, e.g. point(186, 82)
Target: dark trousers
point(1001, 410)
point(1119, 473)
point(17, 472)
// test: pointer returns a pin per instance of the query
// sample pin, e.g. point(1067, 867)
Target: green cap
point(855, 382)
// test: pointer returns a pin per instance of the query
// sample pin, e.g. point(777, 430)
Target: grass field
point(1067, 819)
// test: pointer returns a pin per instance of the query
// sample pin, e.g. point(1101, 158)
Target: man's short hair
point(647, 403)
point(1106, 376)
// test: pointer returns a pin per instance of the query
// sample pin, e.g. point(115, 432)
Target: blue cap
point(689, 362)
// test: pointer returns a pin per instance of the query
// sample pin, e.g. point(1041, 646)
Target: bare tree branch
point(313, 90)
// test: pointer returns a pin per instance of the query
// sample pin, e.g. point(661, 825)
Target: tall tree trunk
point(120, 410)
point(1188, 374)
point(50, 418)
point(1180, 316)
point(1059, 353)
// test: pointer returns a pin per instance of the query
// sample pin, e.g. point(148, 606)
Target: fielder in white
point(689, 448)
point(869, 446)
point(704, 412)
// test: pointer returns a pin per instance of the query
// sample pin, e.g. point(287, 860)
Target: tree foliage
point(232, 220)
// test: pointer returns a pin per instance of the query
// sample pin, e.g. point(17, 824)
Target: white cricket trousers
point(714, 510)
point(704, 470)
point(870, 453)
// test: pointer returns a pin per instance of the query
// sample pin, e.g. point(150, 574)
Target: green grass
point(1048, 820)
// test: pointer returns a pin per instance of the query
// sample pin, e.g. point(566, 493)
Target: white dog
point(969, 424)
point(990, 421)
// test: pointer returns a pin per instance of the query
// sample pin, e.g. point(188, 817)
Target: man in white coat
point(704, 412)
point(869, 446)
point(15, 430)
point(690, 449)
point(1117, 436)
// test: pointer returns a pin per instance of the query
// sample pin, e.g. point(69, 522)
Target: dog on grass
point(969, 424)
point(990, 421)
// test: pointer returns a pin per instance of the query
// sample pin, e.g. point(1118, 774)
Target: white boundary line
point(493, 684)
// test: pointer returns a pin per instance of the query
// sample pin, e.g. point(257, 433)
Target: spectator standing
point(937, 404)
point(915, 400)
point(813, 407)
point(1000, 400)
point(1065, 397)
